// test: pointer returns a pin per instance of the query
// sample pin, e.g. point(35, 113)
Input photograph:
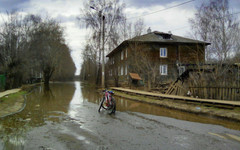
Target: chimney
point(149, 30)
point(169, 32)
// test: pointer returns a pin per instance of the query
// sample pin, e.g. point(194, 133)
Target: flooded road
point(66, 117)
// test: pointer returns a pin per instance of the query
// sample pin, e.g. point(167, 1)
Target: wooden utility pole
point(103, 62)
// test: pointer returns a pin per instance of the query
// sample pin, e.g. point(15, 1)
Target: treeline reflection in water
point(42, 105)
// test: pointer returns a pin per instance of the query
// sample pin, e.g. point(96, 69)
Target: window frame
point(122, 70)
point(126, 53)
point(161, 52)
point(126, 69)
point(163, 69)
point(122, 55)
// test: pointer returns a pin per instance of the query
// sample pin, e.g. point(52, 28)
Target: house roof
point(160, 37)
point(135, 76)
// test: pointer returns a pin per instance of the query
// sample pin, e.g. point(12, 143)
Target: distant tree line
point(33, 47)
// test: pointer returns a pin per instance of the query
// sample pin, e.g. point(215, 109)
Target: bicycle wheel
point(101, 104)
point(113, 107)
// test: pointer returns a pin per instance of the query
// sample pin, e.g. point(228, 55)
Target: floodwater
point(63, 103)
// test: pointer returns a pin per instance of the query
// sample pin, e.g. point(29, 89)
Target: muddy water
point(62, 101)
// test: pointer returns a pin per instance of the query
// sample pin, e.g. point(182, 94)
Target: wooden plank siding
point(175, 53)
point(180, 50)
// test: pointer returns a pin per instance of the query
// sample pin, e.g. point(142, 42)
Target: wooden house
point(156, 57)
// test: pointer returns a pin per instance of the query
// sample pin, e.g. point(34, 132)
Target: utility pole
point(103, 37)
point(103, 55)
point(99, 46)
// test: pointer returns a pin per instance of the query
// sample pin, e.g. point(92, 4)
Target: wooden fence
point(222, 93)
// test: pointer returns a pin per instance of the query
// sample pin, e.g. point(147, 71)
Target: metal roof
point(135, 76)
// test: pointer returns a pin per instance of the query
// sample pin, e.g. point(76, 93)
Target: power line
point(183, 27)
point(162, 9)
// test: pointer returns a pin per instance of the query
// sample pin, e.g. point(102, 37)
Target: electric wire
point(161, 9)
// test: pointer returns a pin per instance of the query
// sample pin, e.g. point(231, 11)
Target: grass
point(13, 96)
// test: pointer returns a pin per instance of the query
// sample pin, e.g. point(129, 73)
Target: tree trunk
point(47, 73)
point(46, 80)
point(149, 82)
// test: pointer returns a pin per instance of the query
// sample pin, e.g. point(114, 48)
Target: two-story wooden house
point(156, 57)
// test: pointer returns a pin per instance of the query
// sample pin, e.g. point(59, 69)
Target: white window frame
point(122, 55)
point(126, 69)
point(121, 70)
point(126, 53)
point(163, 69)
point(162, 53)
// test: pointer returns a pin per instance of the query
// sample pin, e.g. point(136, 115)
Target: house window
point(126, 52)
point(122, 55)
point(181, 70)
point(113, 60)
point(110, 72)
point(126, 69)
point(163, 52)
point(163, 69)
point(121, 70)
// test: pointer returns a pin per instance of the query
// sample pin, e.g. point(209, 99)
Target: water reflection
point(63, 100)
point(134, 106)
point(76, 101)
point(90, 94)
point(42, 106)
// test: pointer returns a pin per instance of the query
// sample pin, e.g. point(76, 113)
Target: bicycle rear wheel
point(101, 104)
point(113, 107)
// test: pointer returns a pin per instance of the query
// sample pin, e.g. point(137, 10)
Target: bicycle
point(108, 102)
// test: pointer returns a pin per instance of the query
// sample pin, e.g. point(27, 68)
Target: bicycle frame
point(108, 98)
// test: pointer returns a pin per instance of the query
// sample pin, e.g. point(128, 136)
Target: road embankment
point(211, 109)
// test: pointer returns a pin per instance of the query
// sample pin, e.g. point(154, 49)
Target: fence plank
point(223, 93)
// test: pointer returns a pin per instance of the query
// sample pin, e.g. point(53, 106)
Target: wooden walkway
point(2, 94)
point(175, 97)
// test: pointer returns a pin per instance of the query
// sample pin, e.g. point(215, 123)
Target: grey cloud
point(10, 5)
point(63, 19)
point(148, 3)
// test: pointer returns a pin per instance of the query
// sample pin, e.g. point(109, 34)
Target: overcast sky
point(66, 11)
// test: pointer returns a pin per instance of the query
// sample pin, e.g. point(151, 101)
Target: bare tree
point(46, 47)
point(139, 27)
point(89, 64)
point(13, 45)
point(214, 23)
point(144, 61)
point(109, 12)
